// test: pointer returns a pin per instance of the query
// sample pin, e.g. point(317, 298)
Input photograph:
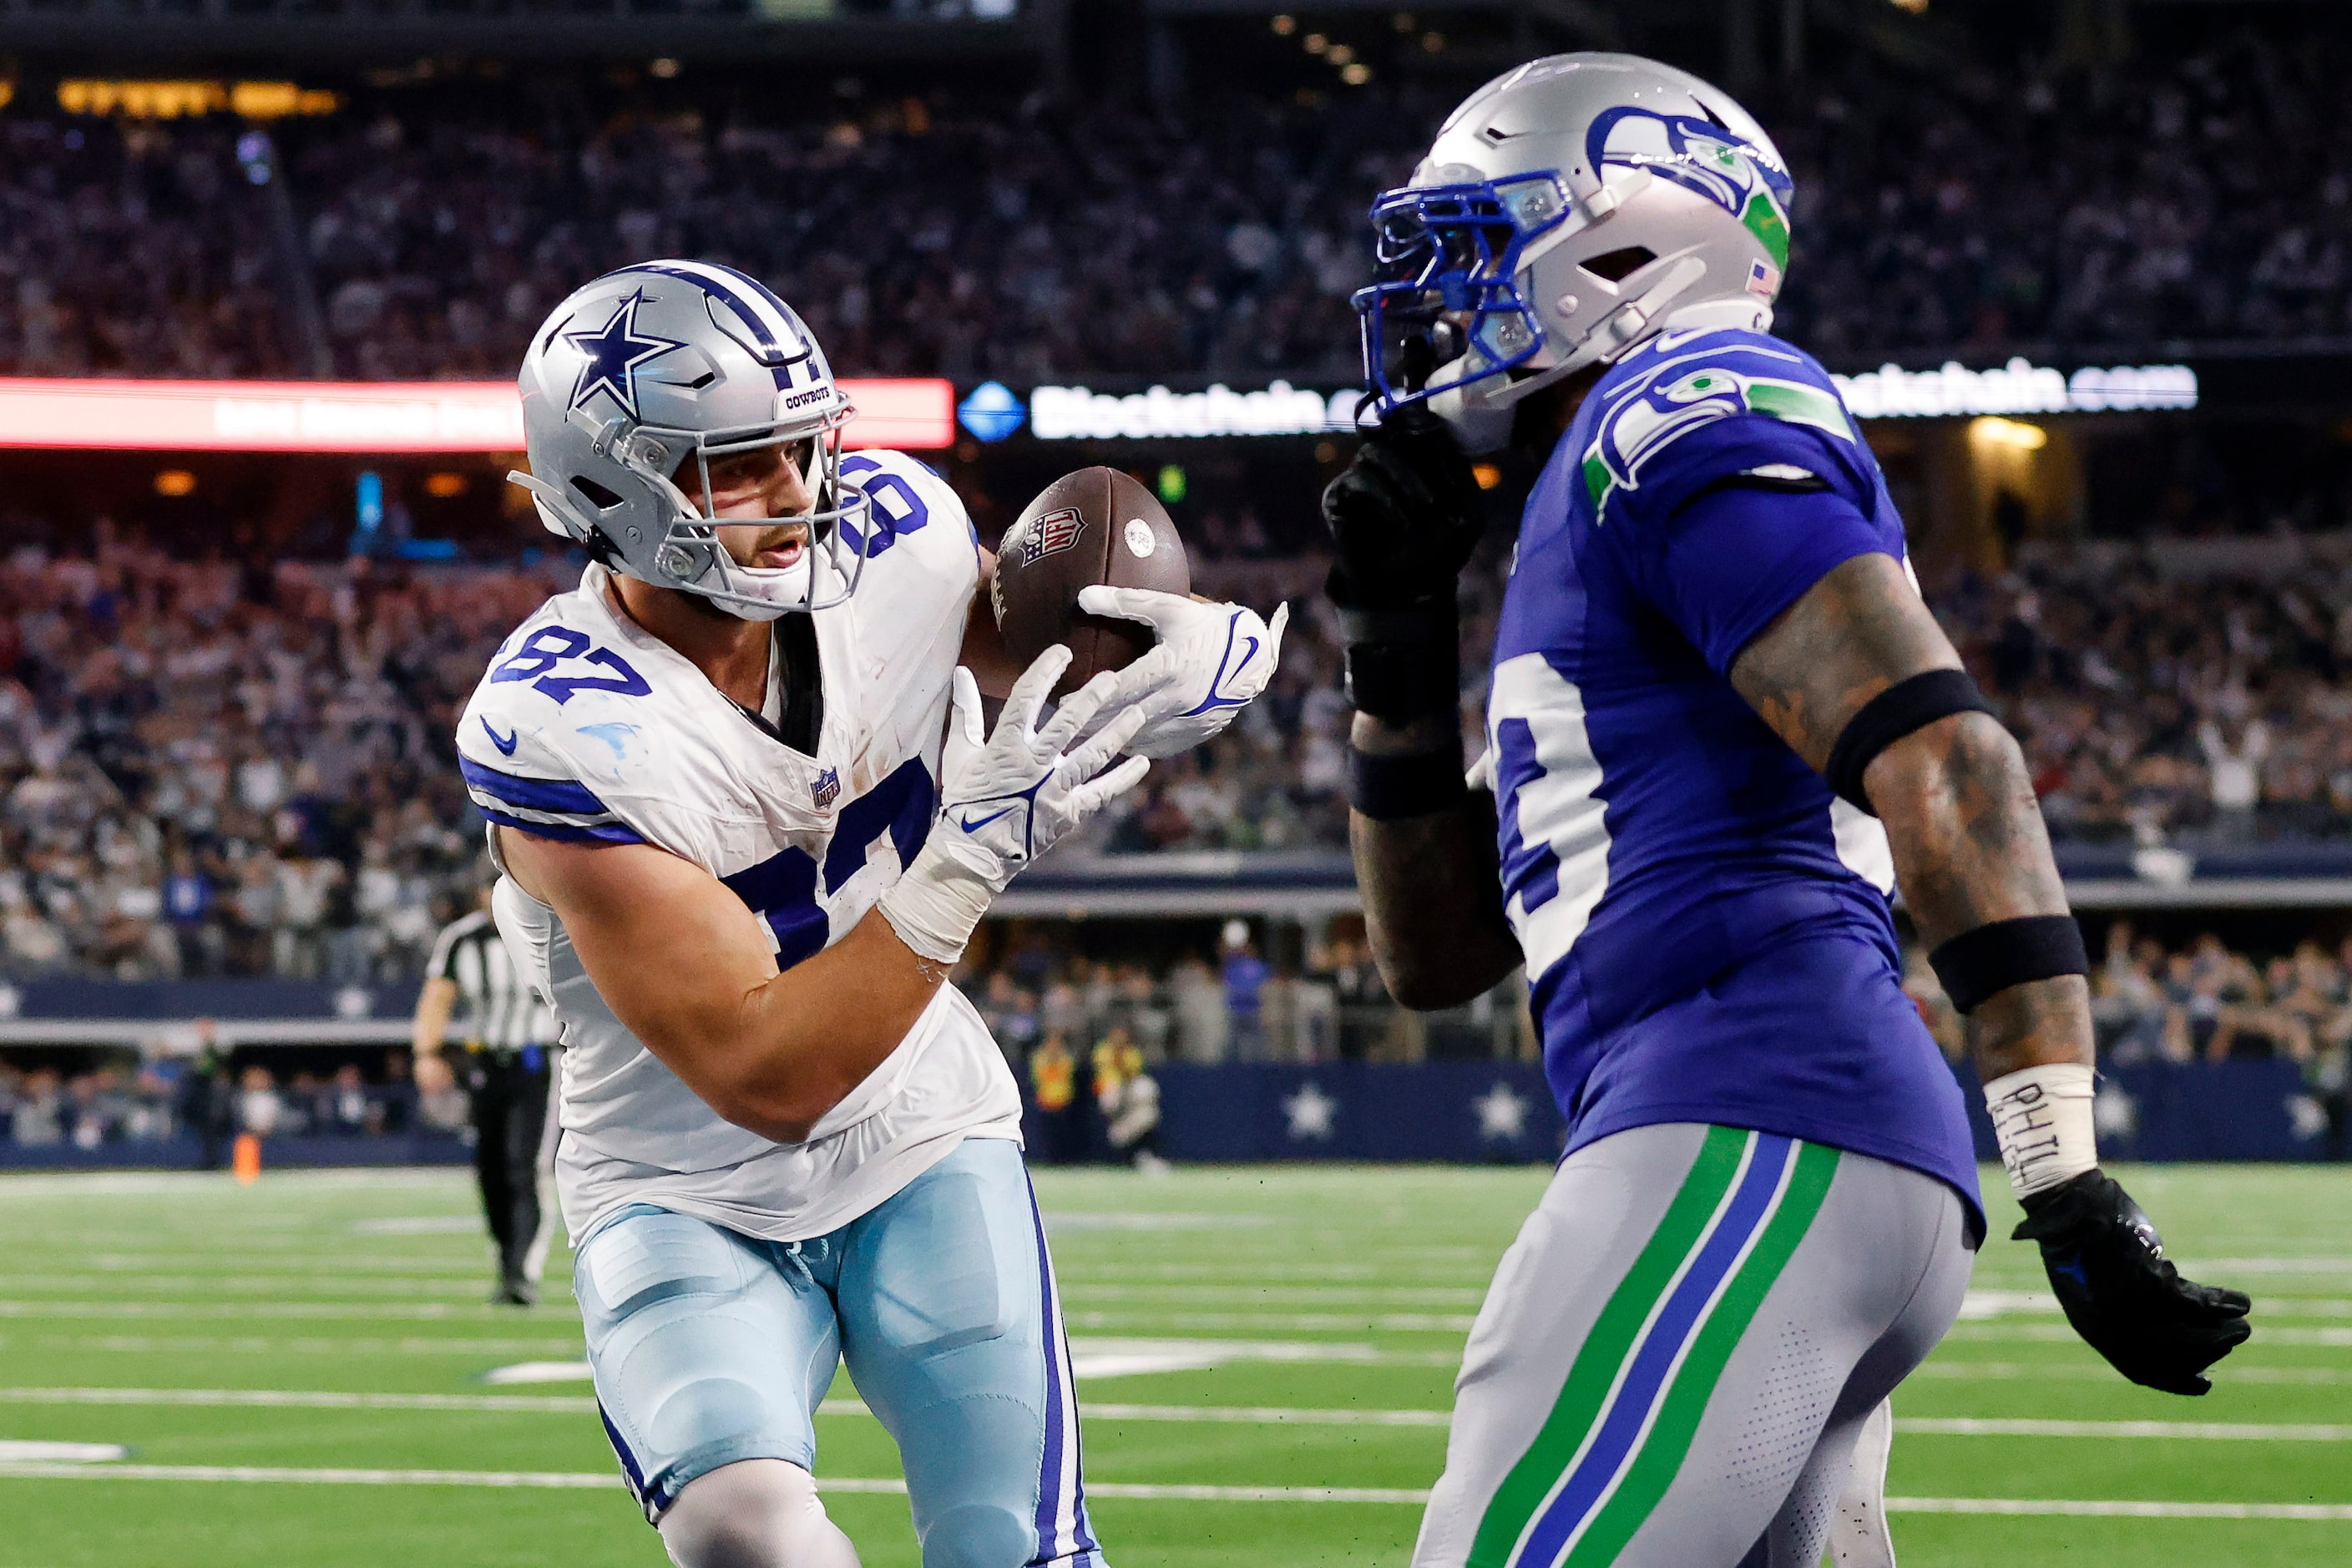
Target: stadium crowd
point(209, 769)
point(213, 770)
point(1067, 1019)
point(2200, 688)
point(971, 236)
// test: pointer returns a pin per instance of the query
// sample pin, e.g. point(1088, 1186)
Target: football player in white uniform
point(747, 817)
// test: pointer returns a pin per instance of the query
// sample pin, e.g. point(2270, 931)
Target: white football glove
point(1209, 661)
point(1004, 801)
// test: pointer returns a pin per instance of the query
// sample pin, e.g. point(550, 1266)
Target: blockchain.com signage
point(2020, 386)
point(993, 412)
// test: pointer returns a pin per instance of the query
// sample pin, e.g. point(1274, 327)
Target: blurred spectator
point(261, 1108)
point(258, 795)
point(1967, 203)
point(2174, 688)
point(37, 1119)
point(348, 1109)
point(1127, 1095)
point(1243, 974)
point(1061, 1112)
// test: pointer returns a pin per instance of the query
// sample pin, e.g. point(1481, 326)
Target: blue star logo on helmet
point(615, 351)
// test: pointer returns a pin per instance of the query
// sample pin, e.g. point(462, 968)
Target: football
point(1096, 525)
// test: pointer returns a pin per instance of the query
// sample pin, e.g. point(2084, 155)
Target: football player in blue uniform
point(1723, 729)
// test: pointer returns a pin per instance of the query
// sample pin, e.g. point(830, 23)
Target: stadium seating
point(434, 228)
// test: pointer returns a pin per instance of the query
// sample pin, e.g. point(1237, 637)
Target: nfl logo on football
point(1053, 533)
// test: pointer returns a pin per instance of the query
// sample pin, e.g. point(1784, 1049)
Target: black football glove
point(2122, 1294)
point(1403, 519)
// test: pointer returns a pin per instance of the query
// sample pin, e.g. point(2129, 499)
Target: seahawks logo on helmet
point(1745, 178)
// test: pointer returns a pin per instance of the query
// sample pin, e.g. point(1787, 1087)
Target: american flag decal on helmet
point(1051, 534)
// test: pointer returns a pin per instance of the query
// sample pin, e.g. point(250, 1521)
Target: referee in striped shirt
point(510, 1040)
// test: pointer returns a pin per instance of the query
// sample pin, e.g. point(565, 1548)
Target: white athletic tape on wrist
point(2042, 1119)
point(936, 906)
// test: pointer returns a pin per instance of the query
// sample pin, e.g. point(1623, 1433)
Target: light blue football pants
point(709, 1346)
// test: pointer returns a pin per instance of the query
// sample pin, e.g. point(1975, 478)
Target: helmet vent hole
point(598, 495)
point(1615, 266)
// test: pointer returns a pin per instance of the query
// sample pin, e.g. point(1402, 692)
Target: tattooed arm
point(1432, 885)
point(1959, 807)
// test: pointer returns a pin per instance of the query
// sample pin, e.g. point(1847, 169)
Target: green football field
point(300, 1371)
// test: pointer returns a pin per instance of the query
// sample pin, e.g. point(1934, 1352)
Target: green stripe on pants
point(1606, 1347)
point(1662, 1453)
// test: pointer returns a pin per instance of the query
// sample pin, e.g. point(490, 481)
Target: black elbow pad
point(1905, 706)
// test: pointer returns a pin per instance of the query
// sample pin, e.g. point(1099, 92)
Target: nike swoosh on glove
point(1207, 664)
point(1005, 799)
point(2107, 1264)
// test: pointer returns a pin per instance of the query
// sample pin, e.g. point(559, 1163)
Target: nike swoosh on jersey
point(505, 743)
point(969, 826)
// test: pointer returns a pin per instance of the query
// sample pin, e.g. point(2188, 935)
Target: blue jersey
point(1707, 930)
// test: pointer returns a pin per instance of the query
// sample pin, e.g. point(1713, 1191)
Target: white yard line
point(2059, 1333)
point(314, 1282)
point(573, 1481)
point(1283, 1322)
point(1101, 1410)
point(2210, 1431)
point(2309, 1264)
point(1267, 1295)
point(308, 1399)
point(36, 1453)
point(2059, 1508)
point(217, 1344)
point(2088, 1371)
point(1982, 1304)
point(435, 1312)
point(574, 1405)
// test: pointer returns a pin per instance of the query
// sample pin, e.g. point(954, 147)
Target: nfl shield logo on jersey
point(1051, 534)
point(826, 788)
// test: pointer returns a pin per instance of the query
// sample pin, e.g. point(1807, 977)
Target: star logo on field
point(1311, 1112)
point(1501, 1113)
point(615, 351)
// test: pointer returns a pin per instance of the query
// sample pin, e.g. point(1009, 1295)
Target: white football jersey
point(588, 728)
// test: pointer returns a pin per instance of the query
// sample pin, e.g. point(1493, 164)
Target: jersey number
point(894, 507)
point(550, 646)
point(782, 889)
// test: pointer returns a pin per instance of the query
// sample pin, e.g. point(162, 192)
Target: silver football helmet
point(667, 363)
point(1568, 210)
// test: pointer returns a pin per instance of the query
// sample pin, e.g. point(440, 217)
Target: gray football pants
point(1681, 1349)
